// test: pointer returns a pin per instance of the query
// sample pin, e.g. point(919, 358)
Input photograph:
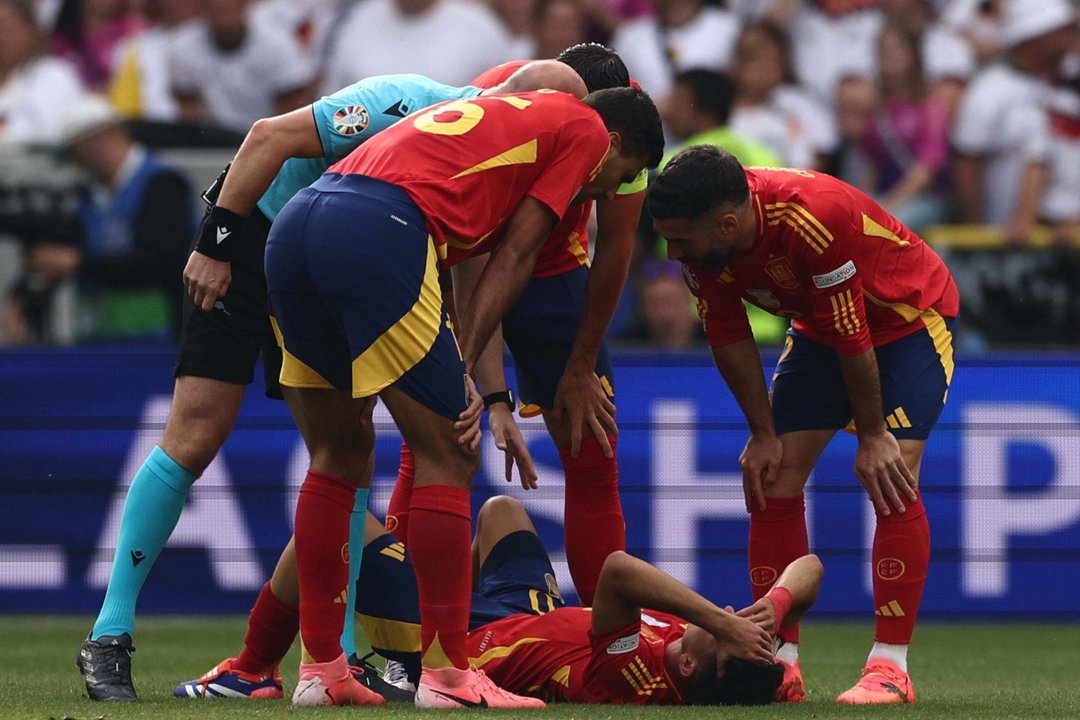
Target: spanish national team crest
point(351, 119)
point(781, 273)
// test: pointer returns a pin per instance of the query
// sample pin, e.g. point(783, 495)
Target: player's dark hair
point(710, 91)
point(598, 66)
point(631, 113)
point(745, 682)
point(697, 180)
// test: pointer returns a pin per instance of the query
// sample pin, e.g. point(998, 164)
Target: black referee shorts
point(224, 343)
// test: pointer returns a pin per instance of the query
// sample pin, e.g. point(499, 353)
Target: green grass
point(961, 671)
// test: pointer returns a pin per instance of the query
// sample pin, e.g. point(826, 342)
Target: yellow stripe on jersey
point(799, 225)
point(524, 154)
point(935, 326)
point(819, 230)
point(850, 304)
point(395, 635)
point(407, 341)
point(295, 372)
point(874, 229)
point(562, 676)
point(577, 250)
point(502, 651)
point(841, 319)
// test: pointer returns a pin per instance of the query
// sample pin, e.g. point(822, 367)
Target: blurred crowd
point(946, 111)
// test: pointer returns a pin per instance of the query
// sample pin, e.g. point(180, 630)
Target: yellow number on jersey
point(470, 117)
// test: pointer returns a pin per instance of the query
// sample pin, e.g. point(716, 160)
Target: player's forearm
point(860, 373)
point(489, 372)
point(269, 143)
point(614, 248)
point(740, 366)
point(801, 578)
point(915, 181)
point(627, 584)
point(504, 277)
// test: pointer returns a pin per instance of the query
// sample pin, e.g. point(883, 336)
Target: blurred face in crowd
point(516, 14)
point(665, 311)
point(227, 20)
point(560, 24)
point(759, 65)
point(19, 36)
point(678, 113)
point(675, 13)
point(898, 61)
point(855, 101)
point(415, 7)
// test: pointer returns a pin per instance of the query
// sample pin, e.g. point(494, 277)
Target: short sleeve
point(580, 148)
point(622, 669)
point(838, 310)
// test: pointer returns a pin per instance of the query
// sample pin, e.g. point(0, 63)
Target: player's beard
point(715, 261)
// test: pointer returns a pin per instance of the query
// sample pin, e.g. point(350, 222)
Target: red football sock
point(593, 517)
point(782, 601)
point(777, 537)
point(322, 538)
point(901, 557)
point(272, 627)
point(397, 514)
point(442, 556)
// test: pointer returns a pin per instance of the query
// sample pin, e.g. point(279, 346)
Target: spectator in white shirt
point(684, 34)
point(34, 89)
point(229, 70)
point(451, 41)
point(771, 109)
point(1001, 134)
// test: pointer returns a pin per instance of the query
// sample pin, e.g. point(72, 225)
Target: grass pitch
point(983, 672)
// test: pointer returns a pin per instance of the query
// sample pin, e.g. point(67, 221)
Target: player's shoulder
point(815, 197)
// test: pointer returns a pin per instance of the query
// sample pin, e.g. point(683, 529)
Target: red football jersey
point(557, 657)
point(468, 164)
point(568, 246)
point(848, 274)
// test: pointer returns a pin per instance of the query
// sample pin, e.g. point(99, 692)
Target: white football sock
point(886, 651)
point(788, 652)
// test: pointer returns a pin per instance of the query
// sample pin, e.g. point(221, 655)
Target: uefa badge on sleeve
point(351, 119)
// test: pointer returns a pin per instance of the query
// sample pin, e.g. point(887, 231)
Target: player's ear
point(687, 665)
point(614, 142)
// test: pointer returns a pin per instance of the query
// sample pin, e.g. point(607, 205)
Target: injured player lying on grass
point(648, 639)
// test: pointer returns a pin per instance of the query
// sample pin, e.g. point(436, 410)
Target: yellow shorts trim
point(407, 342)
point(294, 372)
point(394, 635)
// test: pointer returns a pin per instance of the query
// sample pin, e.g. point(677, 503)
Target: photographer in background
point(137, 221)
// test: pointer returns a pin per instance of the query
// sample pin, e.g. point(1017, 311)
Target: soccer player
point(224, 335)
point(352, 266)
point(872, 309)
point(555, 332)
point(683, 649)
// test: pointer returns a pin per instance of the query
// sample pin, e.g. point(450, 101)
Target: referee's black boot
point(106, 667)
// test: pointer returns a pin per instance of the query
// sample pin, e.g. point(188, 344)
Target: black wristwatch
point(503, 396)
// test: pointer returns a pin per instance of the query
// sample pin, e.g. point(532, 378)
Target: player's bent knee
point(501, 506)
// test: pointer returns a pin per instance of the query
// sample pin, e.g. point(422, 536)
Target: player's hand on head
point(760, 462)
point(762, 613)
point(580, 401)
point(881, 469)
point(207, 280)
point(468, 422)
point(508, 438)
point(745, 639)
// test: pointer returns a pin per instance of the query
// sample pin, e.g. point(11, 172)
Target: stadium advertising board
point(1001, 483)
